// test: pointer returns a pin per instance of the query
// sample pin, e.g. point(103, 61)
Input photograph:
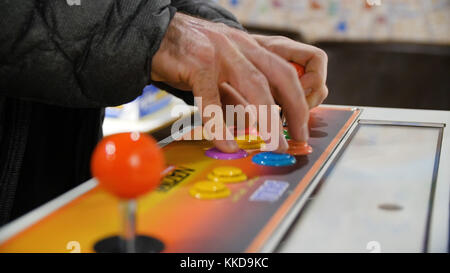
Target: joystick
point(128, 165)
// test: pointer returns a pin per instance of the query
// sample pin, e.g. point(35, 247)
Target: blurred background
point(385, 53)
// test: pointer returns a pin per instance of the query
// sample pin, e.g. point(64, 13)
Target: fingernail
point(232, 145)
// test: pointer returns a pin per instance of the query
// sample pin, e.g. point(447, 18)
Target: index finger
point(206, 87)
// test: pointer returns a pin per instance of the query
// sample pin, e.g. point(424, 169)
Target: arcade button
point(299, 148)
point(217, 154)
point(299, 68)
point(250, 142)
point(274, 159)
point(246, 131)
point(206, 190)
point(227, 175)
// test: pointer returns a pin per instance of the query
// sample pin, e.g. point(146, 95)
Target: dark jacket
point(59, 66)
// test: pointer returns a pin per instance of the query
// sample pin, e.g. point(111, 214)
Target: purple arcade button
point(216, 154)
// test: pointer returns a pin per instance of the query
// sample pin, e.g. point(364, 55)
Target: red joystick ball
point(300, 69)
point(128, 164)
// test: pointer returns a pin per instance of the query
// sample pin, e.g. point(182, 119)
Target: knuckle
point(222, 37)
point(272, 44)
point(269, 46)
point(241, 35)
point(321, 54)
point(280, 38)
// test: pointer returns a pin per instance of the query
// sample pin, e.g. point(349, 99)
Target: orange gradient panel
point(237, 223)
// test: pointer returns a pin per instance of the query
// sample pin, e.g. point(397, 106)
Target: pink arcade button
point(217, 154)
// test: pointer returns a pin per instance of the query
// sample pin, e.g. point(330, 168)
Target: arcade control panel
point(207, 201)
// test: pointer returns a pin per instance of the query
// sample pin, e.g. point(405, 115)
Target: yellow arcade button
point(227, 175)
point(249, 142)
point(209, 190)
point(227, 171)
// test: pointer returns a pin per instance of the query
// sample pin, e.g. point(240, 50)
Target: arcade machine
point(368, 180)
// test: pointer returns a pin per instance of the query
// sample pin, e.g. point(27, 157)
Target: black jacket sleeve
point(90, 55)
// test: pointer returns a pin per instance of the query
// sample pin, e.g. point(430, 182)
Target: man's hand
point(217, 61)
point(312, 58)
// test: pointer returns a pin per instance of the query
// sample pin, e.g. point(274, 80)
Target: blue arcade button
point(273, 159)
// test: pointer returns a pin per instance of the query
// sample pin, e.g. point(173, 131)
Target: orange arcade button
point(299, 148)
